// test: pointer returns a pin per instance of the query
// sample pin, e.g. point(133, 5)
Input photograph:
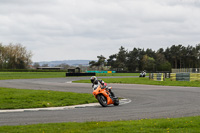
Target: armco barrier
point(80, 74)
point(186, 70)
point(185, 76)
point(157, 76)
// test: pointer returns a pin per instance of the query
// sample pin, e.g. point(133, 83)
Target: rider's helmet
point(93, 79)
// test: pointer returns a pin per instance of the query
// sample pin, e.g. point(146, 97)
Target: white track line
point(122, 101)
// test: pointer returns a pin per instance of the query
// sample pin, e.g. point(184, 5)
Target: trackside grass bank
point(21, 98)
point(30, 75)
point(146, 81)
point(167, 125)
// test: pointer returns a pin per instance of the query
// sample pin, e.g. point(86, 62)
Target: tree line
point(14, 56)
point(176, 56)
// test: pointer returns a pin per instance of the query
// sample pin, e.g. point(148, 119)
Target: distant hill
point(69, 62)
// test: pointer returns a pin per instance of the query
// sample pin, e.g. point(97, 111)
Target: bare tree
point(15, 56)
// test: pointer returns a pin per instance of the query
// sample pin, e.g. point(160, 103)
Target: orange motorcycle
point(104, 96)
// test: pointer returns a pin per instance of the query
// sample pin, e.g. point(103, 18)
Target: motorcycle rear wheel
point(102, 100)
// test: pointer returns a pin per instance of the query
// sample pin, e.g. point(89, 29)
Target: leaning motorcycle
point(104, 96)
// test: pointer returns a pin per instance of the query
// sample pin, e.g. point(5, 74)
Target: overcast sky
point(84, 29)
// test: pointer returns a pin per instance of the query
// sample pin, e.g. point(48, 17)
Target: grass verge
point(30, 75)
point(146, 81)
point(119, 74)
point(22, 98)
point(168, 125)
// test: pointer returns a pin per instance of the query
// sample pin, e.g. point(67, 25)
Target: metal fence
point(186, 70)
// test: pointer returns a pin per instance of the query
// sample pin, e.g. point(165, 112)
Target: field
point(21, 98)
point(32, 75)
point(165, 125)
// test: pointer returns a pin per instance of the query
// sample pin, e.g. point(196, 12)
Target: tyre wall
point(157, 76)
point(185, 76)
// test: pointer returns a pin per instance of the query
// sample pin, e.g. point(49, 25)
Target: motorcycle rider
point(96, 83)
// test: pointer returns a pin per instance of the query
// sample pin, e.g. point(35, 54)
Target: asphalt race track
point(147, 101)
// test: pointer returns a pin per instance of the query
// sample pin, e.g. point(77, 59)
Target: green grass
point(146, 81)
point(30, 75)
point(167, 125)
point(22, 98)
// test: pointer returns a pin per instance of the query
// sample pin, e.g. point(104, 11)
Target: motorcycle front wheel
point(116, 101)
point(102, 100)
